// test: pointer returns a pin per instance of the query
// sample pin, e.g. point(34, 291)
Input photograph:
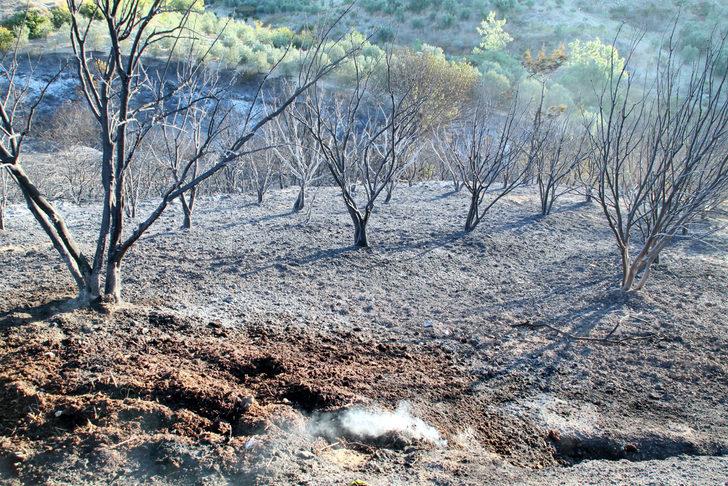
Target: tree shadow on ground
point(426, 245)
point(27, 314)
point(445, 195)
point(574, 206)
point(280, 263)
point(575, 327)
point(269, 217)
point(519, 223)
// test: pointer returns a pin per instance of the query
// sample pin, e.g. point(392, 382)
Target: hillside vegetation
point(580, 29)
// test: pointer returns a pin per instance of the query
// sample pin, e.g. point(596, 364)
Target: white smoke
point(372, 423)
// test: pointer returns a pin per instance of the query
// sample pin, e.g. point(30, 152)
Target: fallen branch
point(605, 340)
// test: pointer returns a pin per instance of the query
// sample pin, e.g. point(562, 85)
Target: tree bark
point(188, 206)
point(388, 196)
point(300, 200)
point(2, 218)
point(112, 289)
point(473, 217)
point(187, 222)
point(360, 234)
point(360, 228)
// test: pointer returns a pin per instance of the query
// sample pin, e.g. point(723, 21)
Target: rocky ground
point(260, 348)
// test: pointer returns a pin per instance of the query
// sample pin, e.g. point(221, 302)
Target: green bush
point(495, 85)
point(282, 37)
point(60, 16)
point(373, 6)
point(385, 34)
point(504, 6)
point(499, 62)
point(38, 22)
point(417, 5)
point(7, 39)
point(89, 10)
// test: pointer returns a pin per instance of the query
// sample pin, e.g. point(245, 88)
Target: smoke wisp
point(373, 423)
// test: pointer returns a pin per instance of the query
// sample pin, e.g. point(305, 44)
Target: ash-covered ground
point(261, 348)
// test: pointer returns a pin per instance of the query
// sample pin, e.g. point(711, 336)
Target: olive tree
point(298, 151)
point(486, 149)
point(555, 150)
point(660, 154)
point(262, 162)
point(365, 135)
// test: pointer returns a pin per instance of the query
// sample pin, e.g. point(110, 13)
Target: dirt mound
point(149, 392)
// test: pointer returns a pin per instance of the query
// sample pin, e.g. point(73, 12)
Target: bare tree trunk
point(112, 288)
point(2, 218)
point(360, 228)
point(187, 219)
point(188, 206)
point(628, 272)
point(300, 200)
point(360, 234)
point(390, 190)
point(473, 213)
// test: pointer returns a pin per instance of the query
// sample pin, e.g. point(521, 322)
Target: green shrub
point(447, 21)
point(373, 6)
point(504, 6)
point(90, 10)
point(385, 34)
point(7, 39)
point(60, 16)
point(14, 22)
point(37, 22)
point(499, 62)
point(417, 5)
point(495, 85)
point(281, 37)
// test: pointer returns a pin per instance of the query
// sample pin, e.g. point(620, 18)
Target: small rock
point(246, 402)
point(305, 455)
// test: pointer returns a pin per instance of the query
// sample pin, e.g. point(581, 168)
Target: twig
point(118, 444)
point(328, 446)
point(605, 339)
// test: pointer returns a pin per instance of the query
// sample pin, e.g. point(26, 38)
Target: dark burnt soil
point(512, 342)
point(129, 393)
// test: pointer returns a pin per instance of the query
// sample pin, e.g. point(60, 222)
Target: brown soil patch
point(137, 387)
